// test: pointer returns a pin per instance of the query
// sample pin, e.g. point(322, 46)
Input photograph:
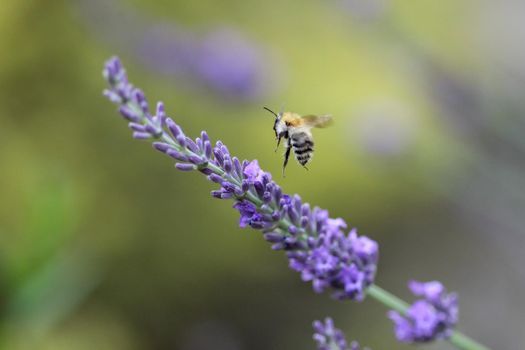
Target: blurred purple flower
point(229, 63)
point(427, 319)
point(328, 337)
point(316, 245)
point(223, 60)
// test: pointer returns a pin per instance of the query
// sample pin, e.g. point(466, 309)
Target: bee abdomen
point(303, 148)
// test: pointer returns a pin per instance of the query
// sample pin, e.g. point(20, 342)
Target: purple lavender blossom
point(328, 337)
point(427, 319)
point(316, 245)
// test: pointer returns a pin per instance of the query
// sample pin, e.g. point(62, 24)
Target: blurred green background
point(104, 244)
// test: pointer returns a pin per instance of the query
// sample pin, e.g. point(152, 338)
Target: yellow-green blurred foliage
point(103, 244)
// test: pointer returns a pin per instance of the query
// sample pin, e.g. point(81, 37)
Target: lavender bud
point(259, 188)
point(304, 221)
point(216, 194)
point(129, 114)
point(185, 167)
point(200, 144)
point(218, 155)
point(305, 209)
point(176, 155)
point(273, 237)
point(204, 136)
point(293, 230)
point(290, 241)
point(228, 186)
point(266, 178)
point(227, 165)
point(174, 128)
point(205, 171)
point(297, 203)
point(137, 127)
point(207, 149)
point(215, 178)
point(181, 139)
point(257, 225)
point(300, 245)
point(195, 159)
point(245, 186)
point(141, 135)
point(154, 131)
point(161, 146)
point(192, 146)
point(113, 69)
point(226, 195)
point(278, 246)
point(283, 211)
point(161, 114)
point(138, 95)
point(277, 194)
point(276, 216)
point(125, 92)
point(225, 150)
point(267, 197)
point(112, 96)
point(292, 214)
point(237, 166)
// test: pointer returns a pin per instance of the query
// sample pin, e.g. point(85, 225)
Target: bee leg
point(287, 155)
point(304, 166)
point(278, 143)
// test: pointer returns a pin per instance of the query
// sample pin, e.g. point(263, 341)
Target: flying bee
point(296, 130)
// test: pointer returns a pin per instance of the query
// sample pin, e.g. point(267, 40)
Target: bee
point(296, 130)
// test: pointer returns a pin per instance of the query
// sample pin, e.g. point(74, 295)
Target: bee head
point(276, 122)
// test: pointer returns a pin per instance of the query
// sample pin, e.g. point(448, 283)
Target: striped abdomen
point(303, 147)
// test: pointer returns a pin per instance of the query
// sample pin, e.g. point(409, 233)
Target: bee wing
point(321, 121)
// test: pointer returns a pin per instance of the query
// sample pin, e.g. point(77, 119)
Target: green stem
point(461, 341)
point(387, 298)
point(458, 339)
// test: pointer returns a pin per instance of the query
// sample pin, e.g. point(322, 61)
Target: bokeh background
point(104, 245)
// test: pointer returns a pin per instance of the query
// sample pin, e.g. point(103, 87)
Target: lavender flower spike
point(316, 245)
point(427, 319)
point(328, 337)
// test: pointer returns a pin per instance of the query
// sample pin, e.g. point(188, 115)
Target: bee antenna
point(269, 110)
